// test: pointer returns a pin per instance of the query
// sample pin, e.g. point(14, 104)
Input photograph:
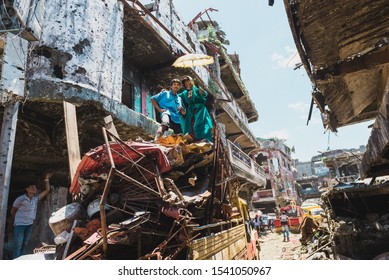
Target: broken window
point(268, 184)
point(128, 94)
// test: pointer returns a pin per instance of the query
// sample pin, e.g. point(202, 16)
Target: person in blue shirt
point(169, 105)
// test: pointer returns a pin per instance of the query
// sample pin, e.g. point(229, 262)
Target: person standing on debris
point(23, 213)
point(169, 105)
point(285, 226)
point(197, 121)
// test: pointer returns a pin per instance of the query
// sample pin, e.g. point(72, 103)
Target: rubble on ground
point(145, 200)
point(358, 220)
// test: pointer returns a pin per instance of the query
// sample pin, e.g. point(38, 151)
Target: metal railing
point(244, 163)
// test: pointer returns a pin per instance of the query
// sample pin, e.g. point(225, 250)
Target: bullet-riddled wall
point(167, 15)
point(82, 46)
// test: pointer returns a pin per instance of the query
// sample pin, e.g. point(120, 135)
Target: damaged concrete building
point(71, 68)
point(344, 48)
point(276, 159)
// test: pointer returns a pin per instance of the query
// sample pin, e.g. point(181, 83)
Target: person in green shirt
point(196, 122)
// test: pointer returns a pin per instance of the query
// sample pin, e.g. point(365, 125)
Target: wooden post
point(72, 137)
point(110, 126)
point(7, 140)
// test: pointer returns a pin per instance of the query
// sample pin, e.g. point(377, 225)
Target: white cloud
point(280, 134)
point(288, 59)
point(299, 106)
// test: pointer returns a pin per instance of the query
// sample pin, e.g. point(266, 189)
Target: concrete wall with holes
point(168, 15)
point(14, 55)
point(81, 46)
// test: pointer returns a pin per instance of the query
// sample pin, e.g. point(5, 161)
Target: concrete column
point(7, 140)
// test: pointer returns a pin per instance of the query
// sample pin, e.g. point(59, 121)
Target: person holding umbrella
point(197, 121)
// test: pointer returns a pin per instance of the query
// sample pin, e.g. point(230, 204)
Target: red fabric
point(97, 160)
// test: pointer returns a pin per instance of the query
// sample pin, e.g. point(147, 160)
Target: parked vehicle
point(272, 216)
point(264, 222)
point(314, 212)
point(295, 215)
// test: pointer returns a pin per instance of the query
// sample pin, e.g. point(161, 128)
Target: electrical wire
point(291, 59)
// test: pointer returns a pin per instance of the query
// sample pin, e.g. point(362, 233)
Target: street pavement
point(273, 247)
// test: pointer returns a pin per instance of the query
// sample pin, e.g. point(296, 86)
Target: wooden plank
point(223, 245)
point(228, 248)
point(72, 137)
point(7, 137)
point(219, 237)
point(375, 161)
point(110, 126)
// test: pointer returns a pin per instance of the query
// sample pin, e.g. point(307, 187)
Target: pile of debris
point(142, 200)
point(359, 221)
point(315, 240)
point(361, 238)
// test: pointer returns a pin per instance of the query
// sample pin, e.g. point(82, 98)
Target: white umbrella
point(193, 59)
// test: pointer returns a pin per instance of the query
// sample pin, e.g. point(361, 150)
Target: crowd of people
point(263, 222)
point(184, 112)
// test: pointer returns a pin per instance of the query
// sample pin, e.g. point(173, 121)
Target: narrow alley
point(273, 247)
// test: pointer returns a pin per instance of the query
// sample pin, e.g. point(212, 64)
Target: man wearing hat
point(169, 105)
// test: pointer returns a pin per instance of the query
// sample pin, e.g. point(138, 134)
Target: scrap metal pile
point(315, 240)
point(359, 221)
point(142, 200)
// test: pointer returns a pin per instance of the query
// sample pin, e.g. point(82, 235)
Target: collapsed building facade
point(345, 165)
point(344, 46)
point(68, 70)
point(276, 159)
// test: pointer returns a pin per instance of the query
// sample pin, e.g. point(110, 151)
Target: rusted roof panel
point(344, 47)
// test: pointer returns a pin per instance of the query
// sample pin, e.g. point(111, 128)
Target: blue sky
point(261, 36)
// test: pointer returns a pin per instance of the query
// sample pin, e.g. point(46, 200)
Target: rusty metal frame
point(114, 172)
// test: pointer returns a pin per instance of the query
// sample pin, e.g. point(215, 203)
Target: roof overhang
point(147, 51)
point(230, 74)
point(344, 48)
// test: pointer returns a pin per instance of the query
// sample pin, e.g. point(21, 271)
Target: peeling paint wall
point(13, 67)
point(142, 94)
point(30, 13)
point(144, 99)
point(82, 45)
point(150, 107)
point(168, 16)
point(133, 76)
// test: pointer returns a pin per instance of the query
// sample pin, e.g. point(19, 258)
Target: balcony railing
point(245, 166)
point(348, 179)
point(233, 109)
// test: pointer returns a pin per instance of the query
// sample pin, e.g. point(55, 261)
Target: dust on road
point(273, 247)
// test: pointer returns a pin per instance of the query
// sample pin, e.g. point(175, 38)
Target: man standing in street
point(285, 226)
point(24, 212)
point(169, 105)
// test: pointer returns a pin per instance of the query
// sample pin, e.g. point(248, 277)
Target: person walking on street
point(285, 226)
point(23, 213)
point(169, 105)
